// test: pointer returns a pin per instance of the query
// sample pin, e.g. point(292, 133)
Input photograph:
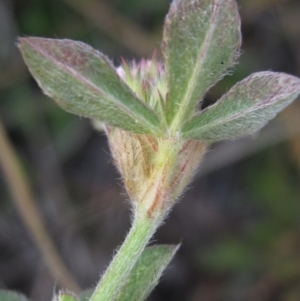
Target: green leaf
point(65, 295)
point(146, 273)
point(201, 41)
point(83, 81)
point(245, 109)
point(11, 296)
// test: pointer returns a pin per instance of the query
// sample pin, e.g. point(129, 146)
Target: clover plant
point(152, 116)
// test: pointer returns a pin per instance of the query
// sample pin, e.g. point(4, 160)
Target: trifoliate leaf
point(201, 41)
point(83, 81)
point(246, 108)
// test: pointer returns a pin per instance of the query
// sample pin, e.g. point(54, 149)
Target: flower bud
point(155, 170)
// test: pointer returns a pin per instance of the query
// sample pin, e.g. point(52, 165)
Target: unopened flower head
point(147, 79)
point(141, 158)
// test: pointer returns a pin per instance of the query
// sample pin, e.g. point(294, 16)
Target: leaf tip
point(27, 41)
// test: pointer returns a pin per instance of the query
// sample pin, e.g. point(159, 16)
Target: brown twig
point(30, 214)
point(120, 28)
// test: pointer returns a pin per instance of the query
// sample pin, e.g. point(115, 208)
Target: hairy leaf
point(11, 296)
point(246, 108)
point(201, 41)
point(84, 82)
point(65, 295)
point(146, 273)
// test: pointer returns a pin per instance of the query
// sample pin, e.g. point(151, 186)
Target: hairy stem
point(139, 235)
point(151, 206)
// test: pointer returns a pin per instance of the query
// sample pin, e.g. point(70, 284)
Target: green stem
point(150, 211)
point(139, 235)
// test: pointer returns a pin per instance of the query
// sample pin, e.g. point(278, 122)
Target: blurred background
point(239, 221)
